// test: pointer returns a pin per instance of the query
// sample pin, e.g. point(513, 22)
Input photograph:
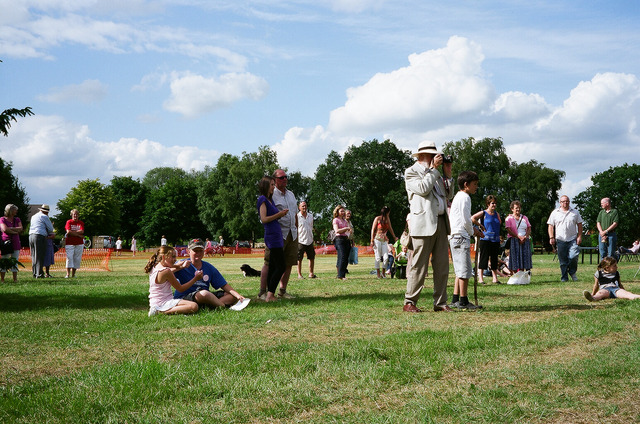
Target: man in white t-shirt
point(305, 239)
point(565, 231)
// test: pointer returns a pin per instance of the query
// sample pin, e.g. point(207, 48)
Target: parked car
point(239, 243)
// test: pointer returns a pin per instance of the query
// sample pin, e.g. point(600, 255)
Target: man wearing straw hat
point(40, 229)
point(429, 228)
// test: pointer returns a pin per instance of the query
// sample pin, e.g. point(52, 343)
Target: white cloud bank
point(50, 155)
point(444, 95)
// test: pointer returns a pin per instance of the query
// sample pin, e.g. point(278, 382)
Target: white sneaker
point(153, 311)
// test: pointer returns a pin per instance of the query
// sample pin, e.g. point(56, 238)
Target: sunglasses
point(284, 177)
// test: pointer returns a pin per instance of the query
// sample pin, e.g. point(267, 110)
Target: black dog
point(247, 271)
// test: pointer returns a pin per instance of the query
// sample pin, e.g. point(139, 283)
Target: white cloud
point(194, 95)
point(595, 128)
point(303, 149)
point(34, 34)
point(50, 155)
point(517, 107)
point(439, 87)
point(605, 107)
point(89, 91)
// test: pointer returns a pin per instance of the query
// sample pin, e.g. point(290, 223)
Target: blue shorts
point(612, 291)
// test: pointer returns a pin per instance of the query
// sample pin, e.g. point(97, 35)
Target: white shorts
point(461, 255)
point(74, 255)
point(164, 307)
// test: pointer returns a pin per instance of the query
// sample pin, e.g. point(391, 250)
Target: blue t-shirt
point(210, 276)
point(492, 226)
point(272, 231)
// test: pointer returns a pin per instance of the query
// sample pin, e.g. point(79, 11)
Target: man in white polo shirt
point(567, 224)
point(305, 239)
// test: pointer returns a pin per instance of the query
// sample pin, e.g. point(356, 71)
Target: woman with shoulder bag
point(11, 227)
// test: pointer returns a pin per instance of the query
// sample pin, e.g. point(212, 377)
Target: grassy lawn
point(83, 350)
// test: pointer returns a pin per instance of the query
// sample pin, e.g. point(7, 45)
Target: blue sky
point(121, 87)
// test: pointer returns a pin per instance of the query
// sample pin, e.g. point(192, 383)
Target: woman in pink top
point(160, 268)
point(11, 227)
point(343, 246)
point(519, 230)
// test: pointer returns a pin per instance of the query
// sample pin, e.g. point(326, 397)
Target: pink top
point(512, 223)
point(341, 223)
point(15, 238)
point(158, 293)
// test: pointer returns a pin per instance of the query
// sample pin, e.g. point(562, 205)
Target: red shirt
point(74, 226)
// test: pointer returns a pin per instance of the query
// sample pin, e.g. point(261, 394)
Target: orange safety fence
point(92, 259)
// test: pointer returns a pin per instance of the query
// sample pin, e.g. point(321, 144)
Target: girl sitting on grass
point(160, 268)
point(608, 283)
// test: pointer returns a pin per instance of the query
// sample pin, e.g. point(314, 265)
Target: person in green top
point(607, 222)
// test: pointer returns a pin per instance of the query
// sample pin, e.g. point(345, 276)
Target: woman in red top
point(379, 240)
point(74, 243)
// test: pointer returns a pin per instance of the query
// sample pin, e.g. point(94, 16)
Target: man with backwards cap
point(212, 290)
point(429, 228)
point(39, 230)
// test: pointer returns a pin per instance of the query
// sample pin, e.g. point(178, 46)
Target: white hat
point(44, 208)
point(426, 147)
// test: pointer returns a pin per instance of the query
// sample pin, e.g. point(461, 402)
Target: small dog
point(247, 271)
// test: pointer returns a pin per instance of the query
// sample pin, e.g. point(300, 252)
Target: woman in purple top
point(11, 227)
point(269, 215)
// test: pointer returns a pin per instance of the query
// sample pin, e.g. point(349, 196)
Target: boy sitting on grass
point(608, 283)
point(460, 239)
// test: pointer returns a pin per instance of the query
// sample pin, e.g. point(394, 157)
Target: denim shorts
point(612, 291)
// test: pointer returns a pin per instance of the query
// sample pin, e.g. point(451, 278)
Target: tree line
point(221, 200)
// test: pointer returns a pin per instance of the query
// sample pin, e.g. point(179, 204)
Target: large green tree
point(227, 194)
point(131, 196)
point(365, 179)
point(155, 178)
point(622, 185)
point(172, 210)
point(532, 183)
point(11, 191)
point(488, 158)
point(96, 205)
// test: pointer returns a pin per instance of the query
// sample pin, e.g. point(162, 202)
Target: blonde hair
point(336, 210)
point(606, 262)
point(9, 208)
point(158, 256)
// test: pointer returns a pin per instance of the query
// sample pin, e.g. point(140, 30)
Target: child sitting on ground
point(160, 269)
point(607, 283)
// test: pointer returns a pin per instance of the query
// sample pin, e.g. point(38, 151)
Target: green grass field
point(83, 350)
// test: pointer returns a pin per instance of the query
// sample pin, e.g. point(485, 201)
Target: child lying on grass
point(607, 283)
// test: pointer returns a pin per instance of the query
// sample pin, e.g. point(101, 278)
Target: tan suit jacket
point(423, 204)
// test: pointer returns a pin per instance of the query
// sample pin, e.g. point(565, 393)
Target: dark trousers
point(343, 247)
point(276, 268)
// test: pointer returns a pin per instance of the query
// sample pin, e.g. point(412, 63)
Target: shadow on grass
point(545, 308)
point(13, 302)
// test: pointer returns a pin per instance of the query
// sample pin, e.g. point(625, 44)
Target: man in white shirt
point(305, 239)
point(39, 230)
point(567, 224)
